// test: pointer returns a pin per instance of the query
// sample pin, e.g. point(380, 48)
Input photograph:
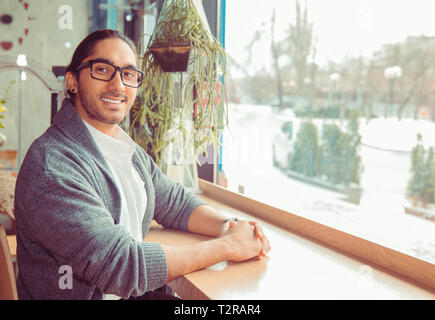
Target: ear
point(71, 82)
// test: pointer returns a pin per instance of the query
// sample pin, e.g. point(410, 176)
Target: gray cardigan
point(67, 209)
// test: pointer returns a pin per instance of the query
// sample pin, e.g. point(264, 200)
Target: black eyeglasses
point(105, 71)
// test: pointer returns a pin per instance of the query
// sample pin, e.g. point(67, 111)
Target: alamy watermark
point(66, 19)
point(66, 280)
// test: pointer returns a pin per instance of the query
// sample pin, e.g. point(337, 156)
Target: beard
point(97, 110)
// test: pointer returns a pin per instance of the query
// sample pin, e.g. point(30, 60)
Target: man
point(86, 195)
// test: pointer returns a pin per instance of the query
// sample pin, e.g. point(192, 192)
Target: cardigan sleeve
point(68, 219)
point(173, 203)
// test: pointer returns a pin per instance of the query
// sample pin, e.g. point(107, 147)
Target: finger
point(260, 255)
point(258, 229)
point(266, 243)
point(265, 246)
point(260, 235)
point(231, 224)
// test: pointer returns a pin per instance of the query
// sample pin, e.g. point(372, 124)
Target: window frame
point(215, 13)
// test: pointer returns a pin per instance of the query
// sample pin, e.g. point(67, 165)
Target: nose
point(116, 84)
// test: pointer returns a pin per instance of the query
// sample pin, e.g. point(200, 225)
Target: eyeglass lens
point(104, 71)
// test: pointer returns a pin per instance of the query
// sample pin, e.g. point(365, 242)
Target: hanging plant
point(175, 93)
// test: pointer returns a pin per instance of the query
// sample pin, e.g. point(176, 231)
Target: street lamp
point(334, 78)
point(392, 73)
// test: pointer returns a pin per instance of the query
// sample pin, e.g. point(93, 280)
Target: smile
point(112, 101)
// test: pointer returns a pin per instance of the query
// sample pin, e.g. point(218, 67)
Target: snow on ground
point(380, 217)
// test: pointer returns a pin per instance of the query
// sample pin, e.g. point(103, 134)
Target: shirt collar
point(120, 146)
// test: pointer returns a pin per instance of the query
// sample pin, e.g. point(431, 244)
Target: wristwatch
point(224, 229)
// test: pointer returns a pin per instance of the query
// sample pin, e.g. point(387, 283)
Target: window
point(331, 114)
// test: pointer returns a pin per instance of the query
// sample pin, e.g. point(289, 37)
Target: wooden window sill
point(308, 261)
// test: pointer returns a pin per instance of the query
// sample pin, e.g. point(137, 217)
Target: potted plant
point(180, 110)
point(2, 136)
point(4, 109)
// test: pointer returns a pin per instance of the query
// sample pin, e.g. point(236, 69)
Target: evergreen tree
point(353, 159)
point(305, 156)
point(340, 159)
point(416, 184)
point(428, 195)
point(333, 153)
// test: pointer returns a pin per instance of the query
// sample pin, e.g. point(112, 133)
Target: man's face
point(101, 103)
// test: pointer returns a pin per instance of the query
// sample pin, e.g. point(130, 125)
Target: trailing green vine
point(159, 112)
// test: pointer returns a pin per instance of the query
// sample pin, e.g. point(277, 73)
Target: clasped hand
point(247, 239)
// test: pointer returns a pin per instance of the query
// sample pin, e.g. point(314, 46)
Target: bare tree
point(300, 45)
point(414, 81)
point(297, 47)
point(276, 53)
point(256, 37)
point(414, 60)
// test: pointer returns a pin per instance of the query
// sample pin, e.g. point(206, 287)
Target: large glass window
point(331, 114)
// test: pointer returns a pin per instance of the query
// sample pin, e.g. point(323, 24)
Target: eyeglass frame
point(89, 64)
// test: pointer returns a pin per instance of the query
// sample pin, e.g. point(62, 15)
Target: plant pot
point(172, 57)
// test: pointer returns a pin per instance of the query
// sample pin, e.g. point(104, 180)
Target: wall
point(47, 31)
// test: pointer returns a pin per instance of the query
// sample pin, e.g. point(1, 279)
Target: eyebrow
point(111, 62)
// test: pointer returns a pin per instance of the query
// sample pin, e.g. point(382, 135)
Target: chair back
point(8, 285)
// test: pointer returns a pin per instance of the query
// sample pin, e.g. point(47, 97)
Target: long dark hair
point(86, 48)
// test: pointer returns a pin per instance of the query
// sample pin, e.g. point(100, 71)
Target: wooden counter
point(296, 268)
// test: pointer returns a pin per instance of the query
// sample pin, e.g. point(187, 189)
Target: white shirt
point(118, 152)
